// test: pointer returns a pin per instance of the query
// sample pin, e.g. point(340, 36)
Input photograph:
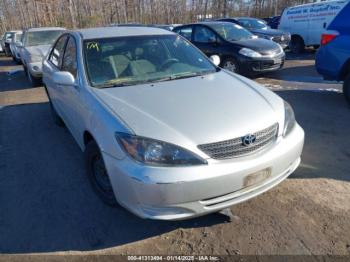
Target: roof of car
point(208, 23)
point(248, 18)
point(38, 29)
point(116, 31)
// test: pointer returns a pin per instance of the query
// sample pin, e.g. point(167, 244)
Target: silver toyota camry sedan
point(166, 133)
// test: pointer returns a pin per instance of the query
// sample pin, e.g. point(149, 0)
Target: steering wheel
point(168, 62)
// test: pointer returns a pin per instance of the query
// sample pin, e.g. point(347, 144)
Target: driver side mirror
point(212, 40)
point(215, 59)
point(63, 78)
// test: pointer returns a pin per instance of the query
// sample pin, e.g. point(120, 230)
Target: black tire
point(230, 64)
point(97, 174)
point(297, 45)
point(346, 88)
point(18, 61)
point(55, 117)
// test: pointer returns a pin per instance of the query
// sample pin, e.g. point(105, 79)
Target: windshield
point(41, 38)
point(9, 36)
point(231, 32)
point(18, 37)
point(122, 61)
point(253, 23)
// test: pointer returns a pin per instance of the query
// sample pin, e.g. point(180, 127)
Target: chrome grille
point(235, 148)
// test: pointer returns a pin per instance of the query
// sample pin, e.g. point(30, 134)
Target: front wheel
point(97, 173)
point(33, 80)
point(346, 88)
point(231, 65)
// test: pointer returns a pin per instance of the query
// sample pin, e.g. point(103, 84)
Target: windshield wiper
point(167, 78)
point(188, 75)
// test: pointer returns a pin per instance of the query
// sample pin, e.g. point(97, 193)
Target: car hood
point(39, 50)
point(196, 110)
point(269, 32)
point(260, 45)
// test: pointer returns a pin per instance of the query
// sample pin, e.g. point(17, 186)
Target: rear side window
point(186, 32)
point(57, 52)
point(70, 57)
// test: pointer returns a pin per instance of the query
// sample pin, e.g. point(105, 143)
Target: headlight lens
point(154, 152)
point(289, 119)
point(249, 52)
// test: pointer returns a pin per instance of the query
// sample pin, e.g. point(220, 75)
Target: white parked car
point(306, 23)
point(15, 45)
point(35, 46)
point(166, 133)
point(6, 40)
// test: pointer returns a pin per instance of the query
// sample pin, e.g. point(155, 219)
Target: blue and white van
point(306, 23)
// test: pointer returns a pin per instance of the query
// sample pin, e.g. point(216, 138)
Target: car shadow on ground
point(47, 203)
point(8, 61)
point(301, 74)
point(308, 54)
point(13, 80)
point(325, 118)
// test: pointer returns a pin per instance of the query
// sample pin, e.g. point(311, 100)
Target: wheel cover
point(231, 66)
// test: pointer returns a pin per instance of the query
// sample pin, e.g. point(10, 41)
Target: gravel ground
point(47, 204)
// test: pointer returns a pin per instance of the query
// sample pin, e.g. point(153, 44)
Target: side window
point(186, 32)
point(245, 23)
point(57, 52)
point(204, 35)
point(70, 57)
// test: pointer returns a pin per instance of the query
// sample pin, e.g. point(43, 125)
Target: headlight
point(249, 52)
point(289, 119)
point(155, 152)
point(35, 58)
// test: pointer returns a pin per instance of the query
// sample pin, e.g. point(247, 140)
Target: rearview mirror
point(63, 78)
point(215, 59)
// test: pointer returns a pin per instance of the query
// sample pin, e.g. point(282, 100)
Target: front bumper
point(183, 192)
point(254, 66)
point(35, 69)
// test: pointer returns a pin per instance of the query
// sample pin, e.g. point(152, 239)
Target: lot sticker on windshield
point(93, 45)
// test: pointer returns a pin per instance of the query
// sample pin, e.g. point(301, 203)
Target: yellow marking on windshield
point(93, 45)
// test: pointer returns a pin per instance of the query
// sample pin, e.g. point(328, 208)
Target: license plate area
point(257, 177)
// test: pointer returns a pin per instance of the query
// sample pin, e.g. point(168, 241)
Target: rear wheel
point(231, 65)
point(98, 175)
point(346, 88)
point(297, 45)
